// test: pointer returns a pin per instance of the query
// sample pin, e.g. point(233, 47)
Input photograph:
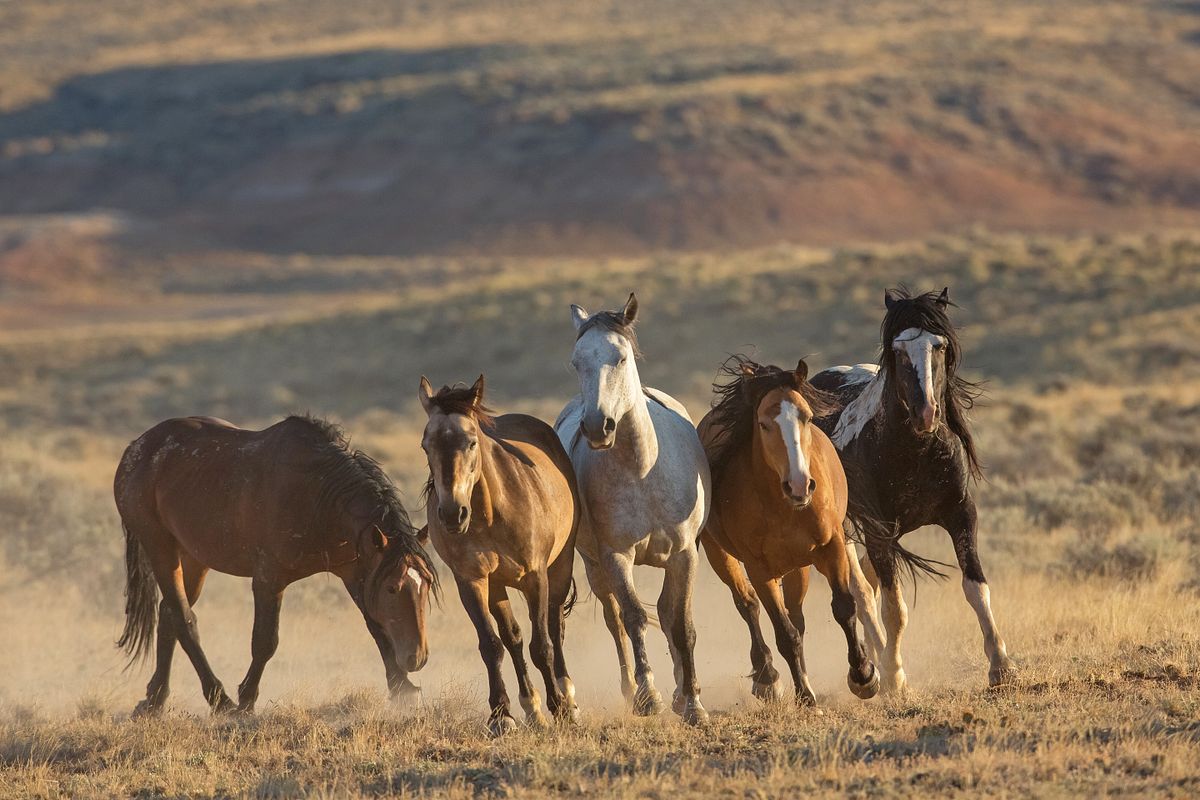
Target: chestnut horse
point(275, 506)
point(779, 501)
point(503, 510)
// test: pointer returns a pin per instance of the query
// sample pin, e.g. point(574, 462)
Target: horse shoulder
point(666, 401)
point(831, 462)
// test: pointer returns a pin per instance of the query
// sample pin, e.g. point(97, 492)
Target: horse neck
point(488, 491)
point(637, 442)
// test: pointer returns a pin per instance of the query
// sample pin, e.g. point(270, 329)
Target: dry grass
point(1089, 527)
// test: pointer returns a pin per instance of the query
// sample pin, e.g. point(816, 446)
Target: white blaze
point(416, 577)
point(789, 426)
point(918, 345)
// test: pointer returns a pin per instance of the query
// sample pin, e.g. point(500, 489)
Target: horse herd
point(772, 481)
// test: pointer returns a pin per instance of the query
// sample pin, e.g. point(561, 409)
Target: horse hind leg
point(619, 569)
point(675, 611)
point(159, 687)
point(560, 583)
point(765, 677)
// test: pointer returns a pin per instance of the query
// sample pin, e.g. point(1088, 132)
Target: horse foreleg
point(895, 619)
point(616, 627)
point(537, 594)
point(510, 634)
point(618, 567)
point(474, 595)
point(675, 613)
point(864, 585)
point(834, 563)
point(962, 531)
point(264, 641)
point(789, 639)
point(765, 677)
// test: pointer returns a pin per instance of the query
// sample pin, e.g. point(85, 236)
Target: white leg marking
point(864, 603)
point(895, 618)
point(980, 597)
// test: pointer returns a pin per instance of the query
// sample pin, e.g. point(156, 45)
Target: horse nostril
point(787, 489)
point(610, 425)
point(462, 514)
point(812, 485)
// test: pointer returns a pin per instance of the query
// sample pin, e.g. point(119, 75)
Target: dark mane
point(351, 480)
point(739, 396)
point(611, 321)
point(928, 312)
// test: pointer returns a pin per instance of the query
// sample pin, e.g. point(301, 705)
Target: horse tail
point(572, 596)
point(141, 601)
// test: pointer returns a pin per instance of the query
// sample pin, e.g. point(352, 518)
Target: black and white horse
point(904, 437)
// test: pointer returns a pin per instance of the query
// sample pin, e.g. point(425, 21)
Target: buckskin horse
point(275, 506)
point(779, 501)
point(644, 486)
point(503, 512)
point(904, 436)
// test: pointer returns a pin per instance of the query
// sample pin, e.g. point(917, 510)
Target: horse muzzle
point(599, 430)
point(455, 518)
point(925, 420)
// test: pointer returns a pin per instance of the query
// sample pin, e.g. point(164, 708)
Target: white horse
point(645, 487)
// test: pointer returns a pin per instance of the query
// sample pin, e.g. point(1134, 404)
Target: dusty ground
point(1090, 537)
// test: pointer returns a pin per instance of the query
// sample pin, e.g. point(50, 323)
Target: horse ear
point(747, 370)
point(425, 395)
point(579, 315)
point(943, 299)
point(801, 371)
point(379, 539)
point(477, 391)
point(423, 535)
point(889, 299)
point(629, 312)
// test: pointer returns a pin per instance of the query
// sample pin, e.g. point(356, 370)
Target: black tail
point(865, 525)
point(141, 602)
point(572, 596)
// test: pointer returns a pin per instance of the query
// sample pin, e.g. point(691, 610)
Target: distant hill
point(544, 127)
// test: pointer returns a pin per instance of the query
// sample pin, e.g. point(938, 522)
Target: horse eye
point(473, 445)
point(763, 425)
point(393, 589)
point(938, 345)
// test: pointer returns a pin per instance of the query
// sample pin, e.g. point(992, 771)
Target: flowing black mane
point(611, 321)
point(738, 397)
point(352, 479)
point(928, 312)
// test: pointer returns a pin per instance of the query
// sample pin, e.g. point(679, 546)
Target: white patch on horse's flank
point(789, 425)
point(416, 576)
point(860, 411)
point(918, 344)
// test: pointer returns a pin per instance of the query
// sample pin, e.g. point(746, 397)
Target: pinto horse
point(275, 506)
point(906, 442)
point(503, 512)
point(644, 485)
point(779, 501)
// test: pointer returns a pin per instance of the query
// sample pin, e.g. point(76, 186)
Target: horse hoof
point(1002, 674)
point(896, 684)
point(767, 692)
point(864, 691)
point(407, 697)
point(537, 721)
point(501, 725)
point(679, 703)
point(695, 715)
point(569, 715)
point(224, 705)
point(146, 709)
point(648, 702)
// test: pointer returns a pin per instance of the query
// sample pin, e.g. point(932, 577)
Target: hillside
point(539, 127)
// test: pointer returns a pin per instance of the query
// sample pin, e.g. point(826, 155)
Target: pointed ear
point(747, 370)
point(943, 299)
point(629, 312)
point(801, 371)
point(423, 535)
point(579, 315)
point(889, 299)
point(425, 395)
point(477, 391)
point(378, 539)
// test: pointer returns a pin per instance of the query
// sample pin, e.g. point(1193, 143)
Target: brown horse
point(779, 501)
point(503, 510)
point(275, 506)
